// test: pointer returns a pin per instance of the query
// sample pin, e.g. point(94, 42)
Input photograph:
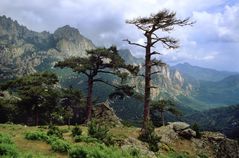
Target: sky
point(213, 41)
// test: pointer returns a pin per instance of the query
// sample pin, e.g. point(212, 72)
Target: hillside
point(225, 120)
point(29, 142)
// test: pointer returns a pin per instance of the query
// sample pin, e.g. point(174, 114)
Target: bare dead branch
point(155, 53)
point(132, 43)
point(156, 72)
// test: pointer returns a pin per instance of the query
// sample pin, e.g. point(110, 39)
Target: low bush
point(54, 131)
point(173, 154)
point(51, 139)
point(7, 147)
point(65, 130)
point(195, 127)
point(5, 139)
point(100, 132)
point(36, 135)
point(85, 139)
point(76, 131)
point(60, 145)
point(148, 135)
point(98, 151)
point(8, 150)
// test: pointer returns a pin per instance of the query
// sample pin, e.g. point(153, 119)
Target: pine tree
point(36, 92)
point(151, 26)
point(164, 106)
point(98, 61)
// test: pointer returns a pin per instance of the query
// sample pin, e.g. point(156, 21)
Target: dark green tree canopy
point(164, 21)
point(99, 60)
point(32, 81)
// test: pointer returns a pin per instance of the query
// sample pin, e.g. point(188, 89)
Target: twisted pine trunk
point(89, 100)
point(147, 82)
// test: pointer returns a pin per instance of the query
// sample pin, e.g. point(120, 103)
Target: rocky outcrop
point(223, 147)
point(104, 114)
point(133, 143)
point(181, 138)
point(70, 41)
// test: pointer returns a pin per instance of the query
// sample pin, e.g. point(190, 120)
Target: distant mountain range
point(23, 51)
point(225, 120)
point(204, 74)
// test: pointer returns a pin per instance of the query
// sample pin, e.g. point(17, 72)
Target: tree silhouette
point(99, 61)
point(151, 26)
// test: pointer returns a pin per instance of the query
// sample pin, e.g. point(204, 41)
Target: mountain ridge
point(201, 73)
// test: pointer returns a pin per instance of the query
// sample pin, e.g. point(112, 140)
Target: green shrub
point(65, 130)
point(98, 151)
point(54, 131)
point(126, 123)
point(36, 135)
point(100, 132)
point(197, 130)
point(202, 156)
point(5, 139)
point(148, 135)
point(134, 152)
point(51, 139)
point(76, 131)
point(60, 145)
point(85, 139)
point(173, 154)
point(8, 150)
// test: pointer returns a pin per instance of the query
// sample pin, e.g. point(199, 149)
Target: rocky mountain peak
point(129, 58)
point(24, 51)
point(67, 32)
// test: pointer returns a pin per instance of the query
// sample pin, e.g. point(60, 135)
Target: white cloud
point(104, 23)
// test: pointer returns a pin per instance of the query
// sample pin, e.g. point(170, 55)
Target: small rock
point(187, 133)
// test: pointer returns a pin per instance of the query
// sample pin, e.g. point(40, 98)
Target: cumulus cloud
point(213, 40)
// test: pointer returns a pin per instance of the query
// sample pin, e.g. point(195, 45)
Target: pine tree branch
point(155, 53)
point(106, 82)
point(106, 72)
point(155, 72)
point(132, 43)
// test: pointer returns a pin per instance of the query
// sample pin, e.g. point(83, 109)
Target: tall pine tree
point(154, 28)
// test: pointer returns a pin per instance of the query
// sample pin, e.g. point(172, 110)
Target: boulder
point(179, 126)
point(103, 113)
point(187, 133)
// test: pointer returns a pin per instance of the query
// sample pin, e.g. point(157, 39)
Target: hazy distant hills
point(225, 119)
point(203, 74)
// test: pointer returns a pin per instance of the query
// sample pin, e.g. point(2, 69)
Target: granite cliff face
point(22, 50)
point(170, 82)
